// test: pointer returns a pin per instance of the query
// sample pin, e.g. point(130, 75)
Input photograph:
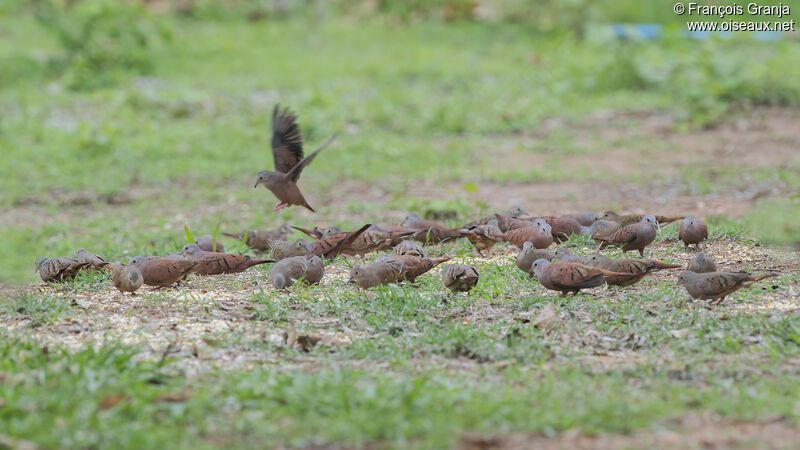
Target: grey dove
point(701, 264)
point(378, 273)
point(126, 277)
point(715, 286)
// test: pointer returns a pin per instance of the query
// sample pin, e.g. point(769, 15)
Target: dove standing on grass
point(288, 271)
point(59, 269)
point(163, 272)
point(377, 274)
point(715, 286)
point(692, 232)
point(632, 237)
point(569, 277)
point(459, 277)
point(287, 152)
point(528, 255)
point(701, 264)
point(216, 263)
point(126, 277)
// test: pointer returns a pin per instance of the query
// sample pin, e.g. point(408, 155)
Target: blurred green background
point(122, 121)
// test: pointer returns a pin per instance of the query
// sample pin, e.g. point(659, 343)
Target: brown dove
point(287, 152)
point(370, 241)
point(536, 235)
point(633, 269)
point(633, 237)
point(331, 246)
point(630, 219)
point(377, 274)
point(126, 277)
point(692, 231)
point(414, 266)
point(563, 255)
point(483, 237)
point(408, 248)
point(216, 263)
point(95, 261)
point(207, 242)
point(528, 255)
point(603, 228)
point(459, 277)
point(716, 286)
point(568, 277)
point(701, 264)
point(315, 269)
point(513, 212)
point(163, 272)
point(259, 240)
point(429, 231)
point(282, 249)
point(59, 269)
point(564, 227)
point(586, 219)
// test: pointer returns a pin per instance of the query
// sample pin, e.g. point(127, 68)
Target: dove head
point(331, 231)
point(527, 246)
point(137, 260)
point(280, 281)
point(39, 261)
point(409, 217)
point(561, 252)
point(516, 211)
point(599, 257)
point(609, 215)
point(354, 273)
point(688, 221)
point(269, 178)
point(80, 251)
point(650, 219)
point(286, 229)
point(684, 277)
point(301, 244)
point(593, 217)
point(190, 249)
point(539, 265)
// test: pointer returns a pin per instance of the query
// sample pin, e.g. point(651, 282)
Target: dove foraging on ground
point(377, 274)
point(528, 255)
point(536, 235)
point(563, 255)
point(564, 227)
point(459, 277)
point(287, 152)
point(483, 237)
point(282, 249)
point(408, 248)
point(59, 269)
point(163, 272)
point(633, 237)
point(288, 271)
point(216, 263)
point(630, 219)
point(259, 240)
point(701, 264)
point(633, 269)
point(207, 243)
point(692, 231)
point(95, 261)
point(716, 286)
point(370, 241)
point(331, 246)
point(429, 231)
point(126, 277)
point(568, 277)
point(603, 228)
point(586, 219)
point(414, 266)
point(513, 212)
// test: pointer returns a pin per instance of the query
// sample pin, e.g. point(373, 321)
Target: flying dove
point(377, 274)
point(633, 269)
point(692, 231)
point(126, 277)
point(633, 237)
point(259, 240)
point(603, 228)
point(165, 271)
point(568, 277)
point(716, 286)
point(207, 242)
point(287, 152)
point(528, 255)
point(408, 248)
point(459, 277)
point(429, 231)
point(330, 247)
point(483, 237)
point(216, 263)
point(59, 269)
point(563, 255)
point(701, 264)
point(95, 261)
point(586, 219)
point(630, 219)
point(282, 249)
point(536, 235)
point(288, 271)
point(415, 266)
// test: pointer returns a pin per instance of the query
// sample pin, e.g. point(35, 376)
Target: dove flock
point(302, 262)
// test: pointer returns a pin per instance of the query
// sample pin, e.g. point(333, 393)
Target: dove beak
point(255, 185)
